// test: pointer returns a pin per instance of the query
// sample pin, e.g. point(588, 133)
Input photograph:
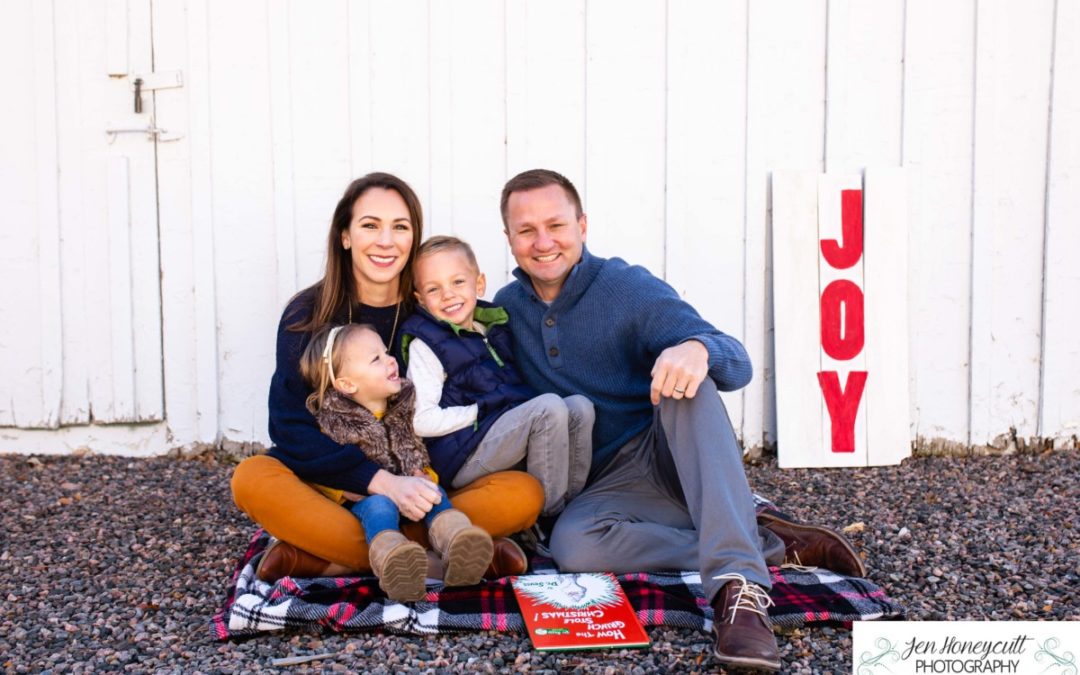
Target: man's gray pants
point(674, 496)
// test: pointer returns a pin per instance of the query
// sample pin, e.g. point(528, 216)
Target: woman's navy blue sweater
point(297, 441)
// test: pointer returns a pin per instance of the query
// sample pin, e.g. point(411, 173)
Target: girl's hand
point(414, 496)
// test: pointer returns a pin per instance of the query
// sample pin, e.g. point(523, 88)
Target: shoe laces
point(751, 597)
point(797, 565)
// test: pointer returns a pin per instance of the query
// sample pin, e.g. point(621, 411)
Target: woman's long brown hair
point(337, 289)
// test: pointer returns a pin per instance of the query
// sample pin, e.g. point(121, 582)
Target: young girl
point(359, 399)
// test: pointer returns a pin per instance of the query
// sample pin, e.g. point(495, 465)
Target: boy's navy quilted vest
point(473, 375)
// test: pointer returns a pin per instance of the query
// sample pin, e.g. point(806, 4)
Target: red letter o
point(846, 345)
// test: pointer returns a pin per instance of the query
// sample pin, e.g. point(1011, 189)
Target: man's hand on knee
point(678, 371)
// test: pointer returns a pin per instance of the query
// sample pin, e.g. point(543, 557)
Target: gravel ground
point(117, 564)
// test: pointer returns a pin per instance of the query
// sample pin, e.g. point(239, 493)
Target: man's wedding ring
point(680, 391)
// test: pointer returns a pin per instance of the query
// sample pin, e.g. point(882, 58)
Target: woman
point(374, 234)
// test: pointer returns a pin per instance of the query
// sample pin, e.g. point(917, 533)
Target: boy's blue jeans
point(379, 512)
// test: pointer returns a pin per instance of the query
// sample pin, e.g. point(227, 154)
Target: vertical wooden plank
point(282, 122)
point(797, 318)
point(186, 226)
point(17, 257)
point(885, 287)
point(75, 401)
point(1059, 417)
point(116, 38)
point(545, 91)
point(317, 108)
point(400, 93)
point(545, 96)
point(829, 221)
point(242, 174)
point(99, 107)
point(144, 265)
point(938, 98)
point(865, 84)
point(202, 224)
point(122, 351)
point(475, 120)
point(48, 198)
point(625, 101)
point(706, 162)
point(30, 320)
point(1011, 103)
point(785, 130)
point(439, 209)
point(359, 18)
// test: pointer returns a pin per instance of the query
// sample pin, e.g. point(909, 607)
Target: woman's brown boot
point(282, 559)
point(400, 564)
point(466, 550)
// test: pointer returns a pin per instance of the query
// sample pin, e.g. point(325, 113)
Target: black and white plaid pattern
point(670, 599)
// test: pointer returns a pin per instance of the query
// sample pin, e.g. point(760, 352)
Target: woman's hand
point(414, 496)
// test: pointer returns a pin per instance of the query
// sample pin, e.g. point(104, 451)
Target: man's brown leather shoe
point(508, 559)
point(814, 546)
point(282, 559)
point(741, 626)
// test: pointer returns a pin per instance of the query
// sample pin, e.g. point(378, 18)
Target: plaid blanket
point(670, 599)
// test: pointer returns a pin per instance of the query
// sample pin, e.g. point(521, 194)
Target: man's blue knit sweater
point(601, 336)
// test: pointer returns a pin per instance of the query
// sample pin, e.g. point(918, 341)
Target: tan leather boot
point(465, 549)
point(400, 565)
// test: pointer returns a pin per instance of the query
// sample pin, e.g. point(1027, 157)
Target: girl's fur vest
point(391, 442)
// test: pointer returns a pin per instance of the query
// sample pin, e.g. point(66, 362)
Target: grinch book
point(577, 611)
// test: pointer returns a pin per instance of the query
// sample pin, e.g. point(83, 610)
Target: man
point(667, 487)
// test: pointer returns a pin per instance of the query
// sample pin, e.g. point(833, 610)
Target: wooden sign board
point(840, 317)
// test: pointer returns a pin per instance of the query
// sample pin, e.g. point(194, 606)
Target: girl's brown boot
point(466, 550)
point(400, 564)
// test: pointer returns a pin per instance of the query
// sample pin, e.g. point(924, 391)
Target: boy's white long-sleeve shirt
point(427, 375)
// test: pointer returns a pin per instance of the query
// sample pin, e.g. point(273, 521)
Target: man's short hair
point(534, 179)
point(442, 242)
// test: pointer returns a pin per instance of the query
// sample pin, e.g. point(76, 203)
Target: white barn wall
point(706, 154)
point(29, 239)
point(1012, 102)
point(785, 130)
point(625, 115)
point(545, 92)
point(670, 118)
point(1060, 396)
point(939, 72)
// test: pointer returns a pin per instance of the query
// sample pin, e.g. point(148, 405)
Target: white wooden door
point(80, 315)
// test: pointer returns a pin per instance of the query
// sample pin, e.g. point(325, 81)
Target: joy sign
point(840, 314)
point(842, 324)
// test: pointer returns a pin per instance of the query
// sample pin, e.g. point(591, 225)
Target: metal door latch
point(152, 132)
point(138, 95)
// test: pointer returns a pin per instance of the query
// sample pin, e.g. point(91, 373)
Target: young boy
point(471, 403)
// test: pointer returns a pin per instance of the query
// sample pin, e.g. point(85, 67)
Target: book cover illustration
point(577, 611)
